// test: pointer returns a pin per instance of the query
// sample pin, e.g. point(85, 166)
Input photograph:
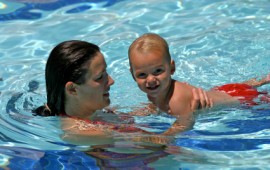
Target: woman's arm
point(200, 100)
point(149, 109)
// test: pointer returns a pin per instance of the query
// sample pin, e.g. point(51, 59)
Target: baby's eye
point(158, 71)
point(141, 75)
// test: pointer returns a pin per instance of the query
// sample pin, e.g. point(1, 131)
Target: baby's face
point(152, 71)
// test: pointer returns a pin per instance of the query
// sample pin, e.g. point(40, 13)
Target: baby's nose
point(151, 80)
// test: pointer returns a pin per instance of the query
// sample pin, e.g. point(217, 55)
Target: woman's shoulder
point(83, 127)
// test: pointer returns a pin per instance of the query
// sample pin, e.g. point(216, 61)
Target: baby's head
point(150, 64)
point(148, 43)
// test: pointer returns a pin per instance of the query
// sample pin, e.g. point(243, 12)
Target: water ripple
point(212, 43)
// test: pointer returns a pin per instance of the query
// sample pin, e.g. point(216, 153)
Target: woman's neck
point(72, 108)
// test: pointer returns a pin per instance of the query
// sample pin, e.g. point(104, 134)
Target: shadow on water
point(94, 158)
point(11, 104)
point(29, 10)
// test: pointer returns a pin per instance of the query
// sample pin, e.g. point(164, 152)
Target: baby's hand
point(200, 99)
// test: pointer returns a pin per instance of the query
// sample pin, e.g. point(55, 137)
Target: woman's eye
point(99, 77)
point(102, 76)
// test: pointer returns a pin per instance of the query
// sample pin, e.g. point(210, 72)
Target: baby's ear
point(131, 71)
point(70, 88)
point(172, 67)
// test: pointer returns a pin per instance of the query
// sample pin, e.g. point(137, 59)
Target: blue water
point(213, 42)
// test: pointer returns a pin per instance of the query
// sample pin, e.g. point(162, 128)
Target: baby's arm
point(181, 124)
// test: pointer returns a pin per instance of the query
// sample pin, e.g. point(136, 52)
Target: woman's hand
point(200, 99)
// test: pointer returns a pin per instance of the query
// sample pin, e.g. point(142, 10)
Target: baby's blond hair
point(149, 42)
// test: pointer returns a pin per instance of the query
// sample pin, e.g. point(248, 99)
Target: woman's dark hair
point(67, 62)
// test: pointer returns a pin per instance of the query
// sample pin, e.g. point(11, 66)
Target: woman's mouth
point(107, 94)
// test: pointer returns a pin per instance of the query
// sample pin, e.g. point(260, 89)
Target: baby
point(151, 67)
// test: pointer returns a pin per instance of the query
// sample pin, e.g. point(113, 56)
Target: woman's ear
point(172, 67)
point(70, 88)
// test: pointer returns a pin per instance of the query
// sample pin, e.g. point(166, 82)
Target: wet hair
point(68, 61)
point(149, 42)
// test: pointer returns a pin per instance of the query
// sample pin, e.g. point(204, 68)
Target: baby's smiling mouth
point(153, 87)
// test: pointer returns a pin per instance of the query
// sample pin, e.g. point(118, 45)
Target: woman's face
point(94, 93)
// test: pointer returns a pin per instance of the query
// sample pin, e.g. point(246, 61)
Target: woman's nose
point(110, 81)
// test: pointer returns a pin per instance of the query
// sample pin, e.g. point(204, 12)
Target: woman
point(78, 86)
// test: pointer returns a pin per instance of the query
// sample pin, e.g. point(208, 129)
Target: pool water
point(213, 42)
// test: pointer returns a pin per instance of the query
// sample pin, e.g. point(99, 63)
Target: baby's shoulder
point(181, 98)
point(182, 88)
point(182, 93)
